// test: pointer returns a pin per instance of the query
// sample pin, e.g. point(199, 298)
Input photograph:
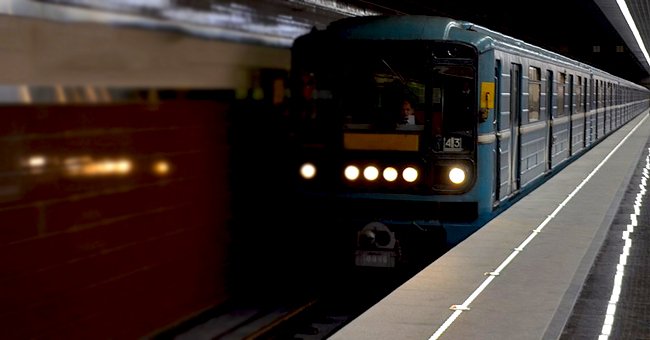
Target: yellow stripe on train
point(381, 141)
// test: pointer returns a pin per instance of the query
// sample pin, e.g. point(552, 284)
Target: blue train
point(418, 125)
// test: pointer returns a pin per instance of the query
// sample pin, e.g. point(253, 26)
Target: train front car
point(387, 115)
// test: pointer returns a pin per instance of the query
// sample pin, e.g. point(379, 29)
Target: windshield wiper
point(397, 74)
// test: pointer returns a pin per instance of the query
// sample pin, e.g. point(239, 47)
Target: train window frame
point(534, 93)
point(310, 113)
point(444, 75)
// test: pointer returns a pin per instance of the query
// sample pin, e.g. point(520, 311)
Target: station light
point(622, 5)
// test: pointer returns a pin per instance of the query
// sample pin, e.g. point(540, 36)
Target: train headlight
point(308, 171)
point(457, 175)
point(390, 174)
point(351, 172)
point(410, 174)
point(371, 173)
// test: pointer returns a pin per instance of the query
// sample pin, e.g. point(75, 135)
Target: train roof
point(424, 27)
point(404, 27)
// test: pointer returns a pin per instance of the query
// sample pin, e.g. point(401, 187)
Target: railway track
point(323, 316)
point(311, 318)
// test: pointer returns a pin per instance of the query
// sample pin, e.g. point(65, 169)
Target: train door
point(559, 121)
point(614, 106)
point(605, 91)
point(598, 107)
point(584, 102)
point(610, 99)
point(550, 138)
point(571, 112)
point(515, 123)
point(619, 110)
point(592, 128)
point(578, 113)
point(497, 127)
point(606, 111)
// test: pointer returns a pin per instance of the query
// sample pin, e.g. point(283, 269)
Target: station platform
point(561, 263)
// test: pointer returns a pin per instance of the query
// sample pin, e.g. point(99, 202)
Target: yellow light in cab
point(410, 174)
point(390, 174)
point(457, 175)
point(371, 173)
point(308, 171)
point(351, 172)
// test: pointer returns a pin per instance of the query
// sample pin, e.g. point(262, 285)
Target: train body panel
point(491, 117)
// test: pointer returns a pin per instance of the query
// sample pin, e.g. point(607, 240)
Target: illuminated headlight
point(351, 172)
point(390, 174)
point(371, 173)
point(457, 175)
point(410, 174)
point(308, 171)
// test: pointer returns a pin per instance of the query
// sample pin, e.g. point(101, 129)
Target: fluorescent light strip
point(465, 305)
point(337, 7)
point(630, 22)
point(608, 323)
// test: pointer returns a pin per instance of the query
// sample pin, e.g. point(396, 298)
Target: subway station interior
point(149, 174)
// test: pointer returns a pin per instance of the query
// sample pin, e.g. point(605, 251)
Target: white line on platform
point(608, 323)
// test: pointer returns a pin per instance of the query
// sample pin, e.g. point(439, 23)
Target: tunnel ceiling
point(593, 31)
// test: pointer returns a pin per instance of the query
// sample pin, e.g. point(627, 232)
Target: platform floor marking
point(620, 268)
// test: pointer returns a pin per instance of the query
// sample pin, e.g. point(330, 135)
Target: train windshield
point(385, 87)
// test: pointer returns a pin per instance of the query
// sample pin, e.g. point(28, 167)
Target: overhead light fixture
point(630, 22)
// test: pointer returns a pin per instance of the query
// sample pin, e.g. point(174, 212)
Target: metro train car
point(419, 125)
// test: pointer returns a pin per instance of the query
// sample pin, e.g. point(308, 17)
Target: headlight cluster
point(455, 174)
point(372, 173)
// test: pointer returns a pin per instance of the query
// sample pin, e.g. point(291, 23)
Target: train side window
point(561, 90)
point(534, 93)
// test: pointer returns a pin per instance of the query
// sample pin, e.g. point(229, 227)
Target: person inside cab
point(407, 113)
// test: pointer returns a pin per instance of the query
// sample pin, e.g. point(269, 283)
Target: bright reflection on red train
point(161, 168)
point(89, 166)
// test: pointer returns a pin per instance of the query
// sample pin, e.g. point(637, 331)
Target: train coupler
point(376, 246)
